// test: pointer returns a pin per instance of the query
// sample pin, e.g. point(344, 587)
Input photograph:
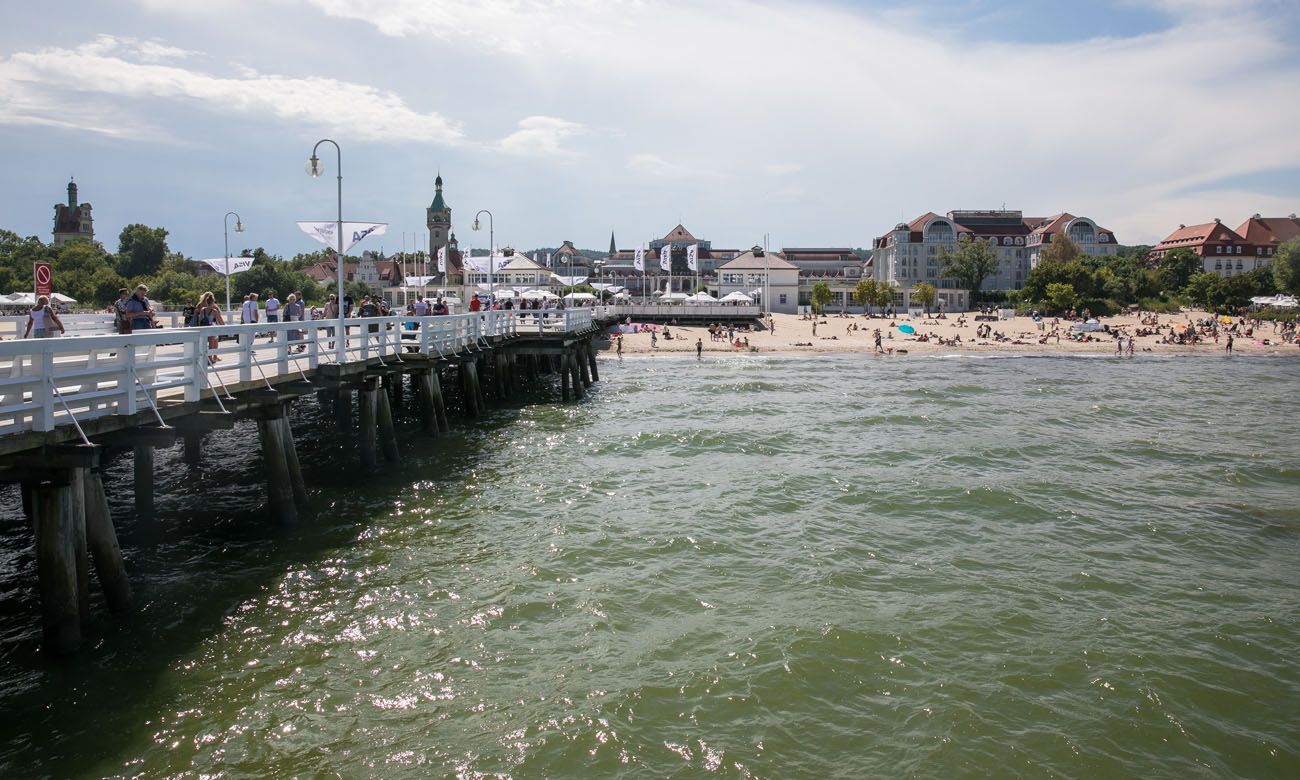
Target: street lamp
point(492, 248)
point(239, 228)
point(315, 168)
point(759, 251)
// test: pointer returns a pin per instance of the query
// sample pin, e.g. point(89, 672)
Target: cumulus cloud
point(541, 136)
point(51, 86)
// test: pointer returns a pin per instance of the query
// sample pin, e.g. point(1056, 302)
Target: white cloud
point(541, 136)
point(51, 86)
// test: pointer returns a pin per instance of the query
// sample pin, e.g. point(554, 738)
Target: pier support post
point(579, 357)
point(564, 381)
point(193, 448)
point(142, 456)
point(479, 370)
point(368, 412)
point(56, 565)
point(291, 462)
point(101, 537)
point(423, 381)
point(469, 386)
point(591, 360)
point(279, 485)
point(343, 408)
point(578, 391)
point(387, 434)
point(439, 400)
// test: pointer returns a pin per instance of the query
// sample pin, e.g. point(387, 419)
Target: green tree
point(84, 271)
point(970, 265)
point(1176, 269)
point(1286, 267)
point(924, 293)
point(865, 293)
point(1062, 296)
point(821, 295)
point(141, 250)
point(1060, 250)
point(1205, 290)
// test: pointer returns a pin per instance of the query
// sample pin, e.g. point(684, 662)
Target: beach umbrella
point(908, 329)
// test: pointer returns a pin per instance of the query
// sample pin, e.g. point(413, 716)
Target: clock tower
point(438, 218)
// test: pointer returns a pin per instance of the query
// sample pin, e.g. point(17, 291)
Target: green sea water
point(747, 567)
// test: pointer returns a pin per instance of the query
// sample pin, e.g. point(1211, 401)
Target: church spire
point(613, 248)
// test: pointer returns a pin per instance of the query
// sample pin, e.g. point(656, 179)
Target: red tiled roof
point(1196, 235)
point(1266, 231)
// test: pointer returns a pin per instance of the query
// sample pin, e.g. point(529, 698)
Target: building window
point(939, 231)
point(782, 298)
point(1238, 249)
point(1218, 249)
point(1102, 237)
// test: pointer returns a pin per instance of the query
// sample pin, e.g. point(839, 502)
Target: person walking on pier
point(207, 312)
point(272, 310)
point(139, 309)
point(42, 320)
point(249, 314)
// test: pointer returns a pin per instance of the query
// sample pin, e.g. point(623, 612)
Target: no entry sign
point(44, 283)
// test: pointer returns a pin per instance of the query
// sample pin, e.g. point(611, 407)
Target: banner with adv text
point(353, 232)
point(237, 264)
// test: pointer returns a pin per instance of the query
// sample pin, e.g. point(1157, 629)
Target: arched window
point(1082, 233)
point(1020, 240)
point(939, 231)
point(1006, 241)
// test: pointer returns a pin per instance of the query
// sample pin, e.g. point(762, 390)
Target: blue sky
point(816, 123)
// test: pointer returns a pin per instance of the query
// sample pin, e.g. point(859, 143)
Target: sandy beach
point(835, 333)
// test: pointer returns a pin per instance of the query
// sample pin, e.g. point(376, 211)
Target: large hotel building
point(909, 254)
point(1229, 252)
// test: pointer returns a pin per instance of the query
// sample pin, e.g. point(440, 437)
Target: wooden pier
point(67, 405)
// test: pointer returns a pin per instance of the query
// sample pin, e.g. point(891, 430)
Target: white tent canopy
point(673, 297)
point(569, 281)
point(19, 299)
point(702, 297)
point(1280, 301)
point(539, 295)
point(737, 297)
point(580, 296)
point(61, 298)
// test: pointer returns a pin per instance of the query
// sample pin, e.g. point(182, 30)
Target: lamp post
point(315, 167)
point(491, 247)
point(758, 250)
point(239, 228)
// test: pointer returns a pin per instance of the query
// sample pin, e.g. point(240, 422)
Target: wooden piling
point(579, 357)
point(74, 506)
point(142, 455)
point(387, 434)
point(564, 383)
point(101, 537)
point(343, 408)
point(294, 467)
point(279, 486)
point(439, 401)
point(368, 433)
point(578, 391)
point(56, 566)
point(469, 387)
point(591, 360)
point(424, 400)
point(193, 447)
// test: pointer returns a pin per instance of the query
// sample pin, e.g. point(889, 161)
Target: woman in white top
point(42, 320)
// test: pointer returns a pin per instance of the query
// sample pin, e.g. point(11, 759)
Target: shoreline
point(855, 335)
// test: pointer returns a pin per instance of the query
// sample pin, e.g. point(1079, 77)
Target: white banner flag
point(237, 264)
point(548, 259)
point(442, 259)
point(353, 232)
point(693, 257)
point(638, 259)
point(666, 258)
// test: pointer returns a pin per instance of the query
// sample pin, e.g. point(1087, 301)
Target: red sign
point(43, 279)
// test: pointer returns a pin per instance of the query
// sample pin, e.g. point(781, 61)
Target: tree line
point(86, 271)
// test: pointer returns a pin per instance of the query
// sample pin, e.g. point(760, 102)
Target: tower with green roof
point(438, 218)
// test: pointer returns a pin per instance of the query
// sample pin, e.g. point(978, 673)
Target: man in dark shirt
point(139, 309)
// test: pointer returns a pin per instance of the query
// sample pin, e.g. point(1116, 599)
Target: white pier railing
point(49, 382)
